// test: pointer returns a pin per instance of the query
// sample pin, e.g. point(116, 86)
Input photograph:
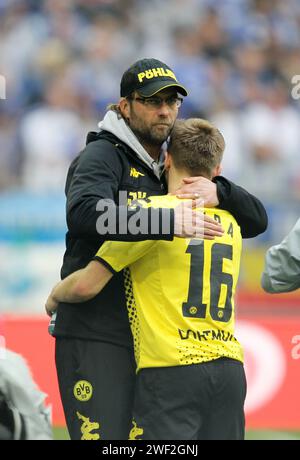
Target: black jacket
point(104, 168)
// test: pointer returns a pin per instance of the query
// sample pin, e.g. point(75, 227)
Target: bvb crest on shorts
point(83, 390)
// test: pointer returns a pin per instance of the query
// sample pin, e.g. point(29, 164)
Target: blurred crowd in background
point(63, 60)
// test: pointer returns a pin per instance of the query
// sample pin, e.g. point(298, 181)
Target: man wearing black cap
point(94, 352)
point(147, 77)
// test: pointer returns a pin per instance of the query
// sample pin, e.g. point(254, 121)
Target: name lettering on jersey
point(230, 230)
point(133, 196)
point(217, 218)
point(135, 173)
point(154, 73)
point(210, 334)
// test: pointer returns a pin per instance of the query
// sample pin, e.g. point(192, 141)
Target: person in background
point(282, 264)
point(23, 414)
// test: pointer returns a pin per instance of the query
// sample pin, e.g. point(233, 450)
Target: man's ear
point(167, 160)
point(124, 108)
point(217, 171)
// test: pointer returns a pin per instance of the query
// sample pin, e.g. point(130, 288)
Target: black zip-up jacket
point(104, 168)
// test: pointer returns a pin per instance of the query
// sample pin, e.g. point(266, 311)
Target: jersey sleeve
point(246, 208)
point(117, 255)
point(282, 264)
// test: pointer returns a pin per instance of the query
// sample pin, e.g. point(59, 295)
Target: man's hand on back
point(199, 187)
point(191, 222)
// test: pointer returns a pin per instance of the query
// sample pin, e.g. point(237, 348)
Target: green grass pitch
point(60, 433)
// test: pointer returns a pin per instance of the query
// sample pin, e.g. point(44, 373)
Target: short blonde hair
point(196, 146)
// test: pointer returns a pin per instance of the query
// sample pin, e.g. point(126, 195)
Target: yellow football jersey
point(180, 293)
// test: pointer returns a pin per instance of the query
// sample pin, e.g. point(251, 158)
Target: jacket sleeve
point(92, 194)
point(248, 211)
point(282, 264)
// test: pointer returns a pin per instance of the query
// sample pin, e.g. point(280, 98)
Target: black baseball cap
point(147, 77)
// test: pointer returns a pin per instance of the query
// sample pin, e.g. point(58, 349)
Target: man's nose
point(164, 109)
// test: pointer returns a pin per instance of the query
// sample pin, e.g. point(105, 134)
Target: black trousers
point(96, 382)
point(195, 402)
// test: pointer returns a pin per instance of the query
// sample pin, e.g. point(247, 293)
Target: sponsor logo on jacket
point(135, 173)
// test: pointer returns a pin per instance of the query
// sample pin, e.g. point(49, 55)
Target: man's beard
point(149, 135)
